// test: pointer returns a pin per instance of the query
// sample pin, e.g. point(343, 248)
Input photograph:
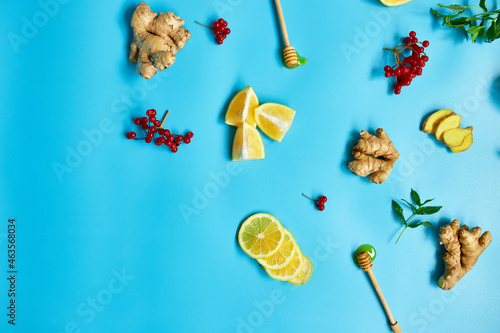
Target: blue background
point(118, 211)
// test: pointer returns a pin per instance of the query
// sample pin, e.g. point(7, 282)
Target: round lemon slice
point(261, 235)
point(305, 273)
point(289, 271)
point(283, 256)
point(241, 108)
point(392, 3)
point(247, 144)
point(274, 119)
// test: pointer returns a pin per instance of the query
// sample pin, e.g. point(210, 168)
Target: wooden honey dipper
point(365, 262)
point(289, 54)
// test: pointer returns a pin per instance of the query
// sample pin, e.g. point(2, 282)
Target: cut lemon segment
point(247, 144)
point(241, 108)
point(283, 256)
point(305, 273)
point(289, 271)
point(274, 119)
point(392, 3)
point(261, 235)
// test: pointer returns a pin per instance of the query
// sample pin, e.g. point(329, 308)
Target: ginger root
point(463, 249)
point(157, 38)
point(378, 146)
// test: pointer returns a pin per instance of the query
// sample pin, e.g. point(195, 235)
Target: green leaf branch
point(484, 25)
point(417, 208)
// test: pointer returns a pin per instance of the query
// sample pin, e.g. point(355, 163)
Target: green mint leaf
point(454, 7)
point(409, 204)
point(435, 12)
point(459, 22)
point(482, 4)
point(476, 31)
point(399, 211)
point(429, 210)
point(415, 197)
point(426, 201)
point(425, 224)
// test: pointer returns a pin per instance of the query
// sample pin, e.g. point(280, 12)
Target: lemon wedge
point(274, 119)
point(241, 108)
point(261, 235)
point(247, 144)
point(283, 256)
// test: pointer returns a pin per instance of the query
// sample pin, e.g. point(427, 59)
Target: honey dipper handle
point(394, 325)
point(282, 22)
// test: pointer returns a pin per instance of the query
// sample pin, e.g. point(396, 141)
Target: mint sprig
point(485, 24)
point(417, 208)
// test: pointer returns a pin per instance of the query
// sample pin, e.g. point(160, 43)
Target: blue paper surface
point(114, 235)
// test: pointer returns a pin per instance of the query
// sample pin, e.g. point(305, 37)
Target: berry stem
point(203, 25)
point(164, 118)
point(308, 197)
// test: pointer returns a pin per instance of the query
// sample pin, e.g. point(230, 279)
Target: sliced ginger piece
point(455, 137)
point(431, 123)
point(465, 145)
point(463, 248)
point(447, 123)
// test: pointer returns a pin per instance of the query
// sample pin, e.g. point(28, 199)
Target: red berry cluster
point(220, 30)
point(153, 126)
point(407, 68)
point(320, 203)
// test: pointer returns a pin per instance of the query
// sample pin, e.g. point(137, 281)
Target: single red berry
point(152, 119)
point(157, 123)
point(148, 113)
point(144, 120)
point(150, 135)
point(224, 24)
point(221, 21)
point(425, 58)
point(425, 43)
point(179, 138)
point(190, 135)
point(419, 71)
point(173, 148)
point(145, 126)
point(128, 136)
point(414, 40)
point(397, 91)
point(322, 199)
point(413, 33)
point(160, 131)
point(216, 25)
point(152, 129)
point(387, 68)
point(166, 132)
point(137, 121)
point(187, 140)
point(227, 31)
point(320, 207)
point(219, 41)
point(162, 139)
point(222, 36)
point(397, 71)
point(387, 74)
point(132, 135)
point(217, 31)
point(148, 140)
point(407, 40)
point(153, 112)
point(405, 69)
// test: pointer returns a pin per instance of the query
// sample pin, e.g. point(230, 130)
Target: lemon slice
point(283, 256)
point(305, 273)
point(289, 271)
point(274, 119)
point(247, 144)
point(392, 3)
point(241, 108)
point(261, 235)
